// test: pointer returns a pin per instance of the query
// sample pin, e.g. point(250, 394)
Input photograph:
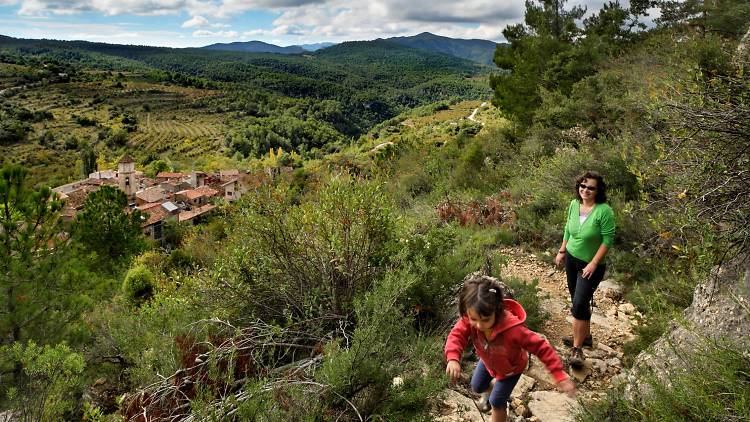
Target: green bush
point(712, 385)
point(138, 285)
point(49, 383)
point(383, 346)
point(528, 295)
point(295, 261)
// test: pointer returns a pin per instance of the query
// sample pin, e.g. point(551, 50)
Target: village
point(170, 196)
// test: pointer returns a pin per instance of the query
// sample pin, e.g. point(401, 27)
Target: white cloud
point(195, 21)
point(315, 20)
point(217, 34)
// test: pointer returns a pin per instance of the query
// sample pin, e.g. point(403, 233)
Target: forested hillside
point(327, 292)
point(220, 108)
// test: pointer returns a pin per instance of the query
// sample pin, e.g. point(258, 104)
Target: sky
point(195, 23)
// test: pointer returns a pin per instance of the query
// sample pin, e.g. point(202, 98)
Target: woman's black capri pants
point(581, 289)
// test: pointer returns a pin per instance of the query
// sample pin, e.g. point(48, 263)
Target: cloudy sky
point(192, 23)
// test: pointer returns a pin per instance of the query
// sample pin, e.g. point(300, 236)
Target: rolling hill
point(480, 51)
point(256, 47)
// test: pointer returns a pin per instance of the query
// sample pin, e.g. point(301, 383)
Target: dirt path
point(473, 114)
point(535, 398)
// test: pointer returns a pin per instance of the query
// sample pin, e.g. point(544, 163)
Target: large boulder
point(719, 314)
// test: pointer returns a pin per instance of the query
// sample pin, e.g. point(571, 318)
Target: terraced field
point(170, 124)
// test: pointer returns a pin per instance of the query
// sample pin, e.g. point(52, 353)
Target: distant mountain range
point(256, 47)
point(480, 51)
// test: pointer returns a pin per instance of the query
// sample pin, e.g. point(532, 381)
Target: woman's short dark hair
point(482, 294)
point(601, 187)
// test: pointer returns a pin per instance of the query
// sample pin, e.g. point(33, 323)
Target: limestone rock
point(524, 385)
point(626, 308)
point(551, 406)
point(523, 411)
point(611, 289)
point(10, 416)
point(456, 408)
point(718, 313)
point(580, 374)
point(599, 366)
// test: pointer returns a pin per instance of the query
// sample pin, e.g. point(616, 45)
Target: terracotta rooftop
point(76, 198)
point(147, 207)
point(168, 175)
point(195, 212)
point(153, 194)
point(198, 192)
point(126, 159)
point(154, 215)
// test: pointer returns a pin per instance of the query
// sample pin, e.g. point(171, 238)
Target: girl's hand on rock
point(567, 387)
point(453, 369)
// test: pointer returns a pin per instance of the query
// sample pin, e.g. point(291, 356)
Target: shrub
point(713, 385)
point(382, 346)
point(50, 381)
point(138, 285)
point(297, 261)
point(118, 138)
point(527, 294)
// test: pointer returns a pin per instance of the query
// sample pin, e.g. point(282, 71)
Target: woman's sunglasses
point(588, 188)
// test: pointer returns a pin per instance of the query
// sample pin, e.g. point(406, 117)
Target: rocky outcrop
point(720, 313)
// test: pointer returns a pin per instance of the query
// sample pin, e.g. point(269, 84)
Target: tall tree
point(88, 160)
point(728, 18)
point(30, 246)
point(549, 51)
point(106, 228)
point(549, 30)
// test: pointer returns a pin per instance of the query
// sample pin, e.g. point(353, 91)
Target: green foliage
point(728, 18)
point(139, 285)
point(364, 371)
point(118, 138)
point(105, 228)
point(528, 295)
point(712, 385)
point(50, 383)
point(155, 167)
point(549, 54)
point(28, 243)
point(312, 259)
point(140, 342)
point(88, 160)
point(256, 136)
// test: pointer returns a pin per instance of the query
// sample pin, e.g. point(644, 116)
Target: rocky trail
point(535, 397)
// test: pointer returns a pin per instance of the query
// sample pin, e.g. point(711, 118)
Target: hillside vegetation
point(207, 108)
point(327, 294)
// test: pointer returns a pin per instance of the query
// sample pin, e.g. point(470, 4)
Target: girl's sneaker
point(484, 402)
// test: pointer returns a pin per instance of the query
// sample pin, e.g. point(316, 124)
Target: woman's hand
point(567, 387)
point(453, 369)
point(559, 259)
point(588, 271)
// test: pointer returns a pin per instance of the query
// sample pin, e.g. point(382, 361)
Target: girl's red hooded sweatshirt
point(504, 353)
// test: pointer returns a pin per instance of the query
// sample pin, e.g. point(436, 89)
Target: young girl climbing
point(496, 328)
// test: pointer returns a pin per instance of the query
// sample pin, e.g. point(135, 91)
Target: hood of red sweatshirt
point(513, 315)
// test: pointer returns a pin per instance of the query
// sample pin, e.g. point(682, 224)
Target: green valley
point(285, 237)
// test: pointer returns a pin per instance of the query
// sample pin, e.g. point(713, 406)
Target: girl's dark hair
point(482, 294)
point(601, 187)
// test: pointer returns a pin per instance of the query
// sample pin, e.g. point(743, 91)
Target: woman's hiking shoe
point(576, 358)
point(587, 342)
